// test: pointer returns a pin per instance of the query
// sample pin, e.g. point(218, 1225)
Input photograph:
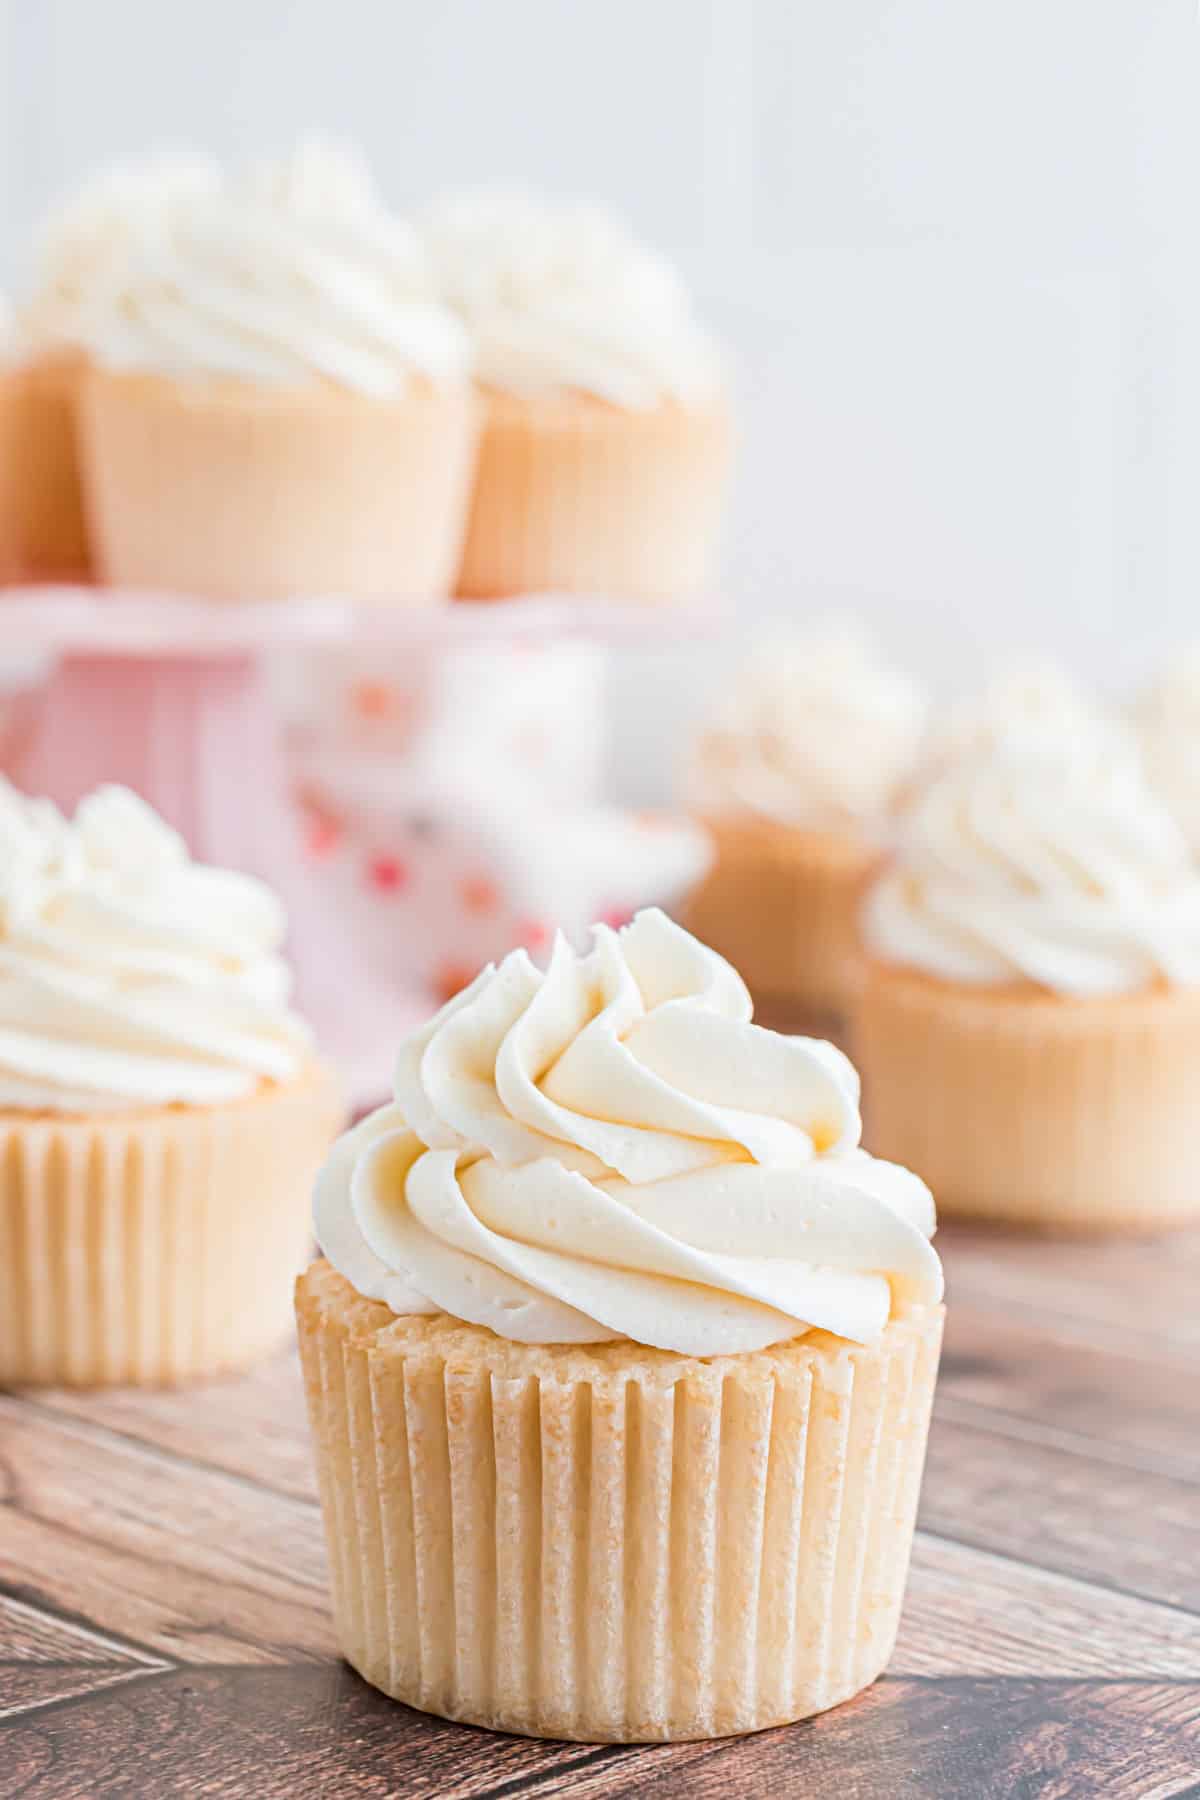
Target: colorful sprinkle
point(480, 896)
point(374, 700)
point(387, 874)
point(322, 836)
point(534, 934)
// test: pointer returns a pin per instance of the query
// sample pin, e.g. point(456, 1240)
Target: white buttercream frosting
point(813, 730)
point(1167, 723)
point(1033, 703)
point(87, 238)
point(129, 975)
point(611, 1150)
point(564, 297)
point(291, 272)
point(1042, 861)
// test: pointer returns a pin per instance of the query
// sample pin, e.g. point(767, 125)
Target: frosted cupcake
point(796, 775)
point(81, 244)
point(280, 403)
point(603, 461)
point(1029, 1028)
point(620, 1365)
point(161, 1110)
point(1166, 721)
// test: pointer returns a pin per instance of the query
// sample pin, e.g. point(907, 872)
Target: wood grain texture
point(164, 1627)
point(255, 1429)
point(1137, 1291)
point(44, 1660)
point(1052, 1506)
point(1126, 1401)
point(190, 1563)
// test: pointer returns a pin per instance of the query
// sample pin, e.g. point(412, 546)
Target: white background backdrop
point(954, 244)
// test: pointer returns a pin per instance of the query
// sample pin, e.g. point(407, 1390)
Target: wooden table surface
point(163, 1598)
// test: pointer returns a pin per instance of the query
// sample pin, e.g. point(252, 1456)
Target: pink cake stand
point(169, 696)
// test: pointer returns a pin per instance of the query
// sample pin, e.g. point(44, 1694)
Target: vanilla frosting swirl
point(563, 297)
point(1035, 703)
point(612, 1149)
point(129, 975)
point(1167, 723)
point(86, 239)
point(813, 730)
point(290, 273)
point(1044, 862)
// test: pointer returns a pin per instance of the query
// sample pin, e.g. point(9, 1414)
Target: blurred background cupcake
point(162, 1111)
point(81, 244)
point(279, 403)
point(796, 774)
point(606, 437)
point(1029, 1024)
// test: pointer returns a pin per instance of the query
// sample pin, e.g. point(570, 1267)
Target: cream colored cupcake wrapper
point(157, 1247)
point(243, 492)
point(576, 496)
point(1034, 1109)
point(41, 494)
point(620, 1545)
point(781, 904)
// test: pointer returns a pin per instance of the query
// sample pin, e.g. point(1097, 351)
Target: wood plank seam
point(28, 1597)
point(1080, 1330)
point(547, 1779)
point(70, 1425)
point(19, 1715)
point(999, 1422)
point(103, 1640)
point(1071, 1331)
point(1082, 1582)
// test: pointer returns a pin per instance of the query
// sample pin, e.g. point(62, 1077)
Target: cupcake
point(81, 245)
point(620, 1364)
point(605, 446)
point(161, 1110)
point(279, 404)
point(1166, 721)
point(796, 775)
point(1029, 1026)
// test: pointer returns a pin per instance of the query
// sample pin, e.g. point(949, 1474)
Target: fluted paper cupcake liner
point(237, 491)
point(573, 495)
point(41, 494)
point(159, 1247)
point(614, 1543)
point(781, 903)
point(1036, 1109)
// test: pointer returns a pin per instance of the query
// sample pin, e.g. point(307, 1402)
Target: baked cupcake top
point(288, 273)
point(813, 730)
point(1167, 723)
point(129, 975)
point(612, 1150)
point(86, 239)
point(564, 297)
point(1045, 861)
